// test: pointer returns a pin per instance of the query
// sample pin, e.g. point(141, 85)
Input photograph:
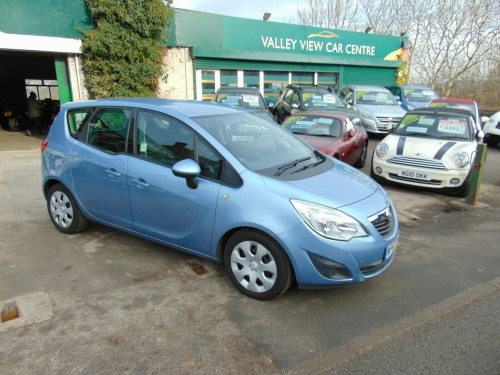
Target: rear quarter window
point(75, 119)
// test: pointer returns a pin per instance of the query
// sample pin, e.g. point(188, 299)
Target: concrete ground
point(103, 302)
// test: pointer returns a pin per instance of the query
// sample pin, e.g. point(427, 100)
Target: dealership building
point(40, 51)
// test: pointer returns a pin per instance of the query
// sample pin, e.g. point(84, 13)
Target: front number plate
point(415, 175)
point(391, 248)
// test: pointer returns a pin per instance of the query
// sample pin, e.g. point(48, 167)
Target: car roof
point(252, 90)
point(439, 111)
point(413, 87)
point(453, 100)
point(367, 87)
point(188, 108)
point(310, 87)
point(339, 116)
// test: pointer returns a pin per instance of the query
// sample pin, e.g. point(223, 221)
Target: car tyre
point(256, 265)
point(360, 163)
point(491, 142)
point(464, 190)
point(64, 211)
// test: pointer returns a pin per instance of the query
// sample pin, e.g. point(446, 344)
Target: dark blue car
point(412, 97)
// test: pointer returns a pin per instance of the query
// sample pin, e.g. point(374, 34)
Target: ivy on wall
point(121, 55)
point(402, 74)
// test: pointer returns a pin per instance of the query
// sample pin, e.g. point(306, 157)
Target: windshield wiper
point(290, 165)
point(308, 166)
point(455, 137)
point(416, 134)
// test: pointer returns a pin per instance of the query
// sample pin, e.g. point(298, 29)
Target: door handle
point(140, 183)
point(113, 173)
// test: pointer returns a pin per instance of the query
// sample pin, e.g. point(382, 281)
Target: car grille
point(385, 121)
point(384, 222)
point(418, 162)
point(415, 180)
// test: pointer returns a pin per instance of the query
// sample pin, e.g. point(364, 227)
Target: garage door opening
point(22, 73)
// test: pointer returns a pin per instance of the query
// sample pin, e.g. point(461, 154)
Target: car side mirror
point(397, 97)
point(295, 106)
point(270, 105)
point(350, 133)
point(349, 101)
point(484, 119)
point(188, 169)
point(480, 134)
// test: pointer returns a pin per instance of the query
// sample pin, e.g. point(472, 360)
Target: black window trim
point(198, 137)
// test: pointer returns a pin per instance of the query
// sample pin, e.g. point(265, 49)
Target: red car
point(332, 134)
point(467, 104)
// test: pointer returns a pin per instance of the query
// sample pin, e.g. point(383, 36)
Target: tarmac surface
point(103, 302)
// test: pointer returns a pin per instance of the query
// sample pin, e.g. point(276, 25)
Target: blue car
point(222, 183)
point(412, 97)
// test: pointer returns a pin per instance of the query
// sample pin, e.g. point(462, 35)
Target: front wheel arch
point(237, 251)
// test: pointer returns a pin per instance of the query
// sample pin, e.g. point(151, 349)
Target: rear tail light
point(44, 144)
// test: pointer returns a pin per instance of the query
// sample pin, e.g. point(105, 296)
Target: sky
point(281, 11)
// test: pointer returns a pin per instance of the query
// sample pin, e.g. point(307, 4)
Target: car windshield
point(320, 100)
point(245, 100)
point(259, 144)
point(420, 95)
point(435, 126)
point(375, 98)
point(314, 125)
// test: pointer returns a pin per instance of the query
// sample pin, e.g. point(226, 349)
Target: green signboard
point(239, 38)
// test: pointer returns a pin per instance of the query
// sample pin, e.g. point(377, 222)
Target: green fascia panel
point(291, 58)
point(59, 18)
point(225, 37)
point(185, 31)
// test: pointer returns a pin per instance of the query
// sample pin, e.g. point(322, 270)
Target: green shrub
point(122, 54)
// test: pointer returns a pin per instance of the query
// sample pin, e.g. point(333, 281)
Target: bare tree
point(456, 37)
point(451, 38)
point(332, 14)
point(386, 16)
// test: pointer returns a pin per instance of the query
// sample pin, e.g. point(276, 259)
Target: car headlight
point(460, 159)
point(381, 150)
point(368, 116)
point(329, 222)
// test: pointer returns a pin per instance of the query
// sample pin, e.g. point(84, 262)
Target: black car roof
point(310, 87)
point(246, 90)
point(440, 111)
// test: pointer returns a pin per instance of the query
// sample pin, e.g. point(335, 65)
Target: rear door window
point(108, 129)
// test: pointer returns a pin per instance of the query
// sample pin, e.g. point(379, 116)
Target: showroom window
point(208, 84)
point(328, 79)
point(270, 83)
point(229, 78)
point(43, 88)
point(303, 78)
point(273, 83)
point(251, 78)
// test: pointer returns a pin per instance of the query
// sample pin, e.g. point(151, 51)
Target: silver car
point(377, 107)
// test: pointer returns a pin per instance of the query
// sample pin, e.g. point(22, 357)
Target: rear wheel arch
point(63, 209)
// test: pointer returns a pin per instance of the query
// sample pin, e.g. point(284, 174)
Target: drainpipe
point(79, 82)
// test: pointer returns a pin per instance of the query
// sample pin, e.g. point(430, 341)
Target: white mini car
point(430, 148)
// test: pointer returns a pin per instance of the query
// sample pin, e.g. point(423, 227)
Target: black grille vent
point(384, 222)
